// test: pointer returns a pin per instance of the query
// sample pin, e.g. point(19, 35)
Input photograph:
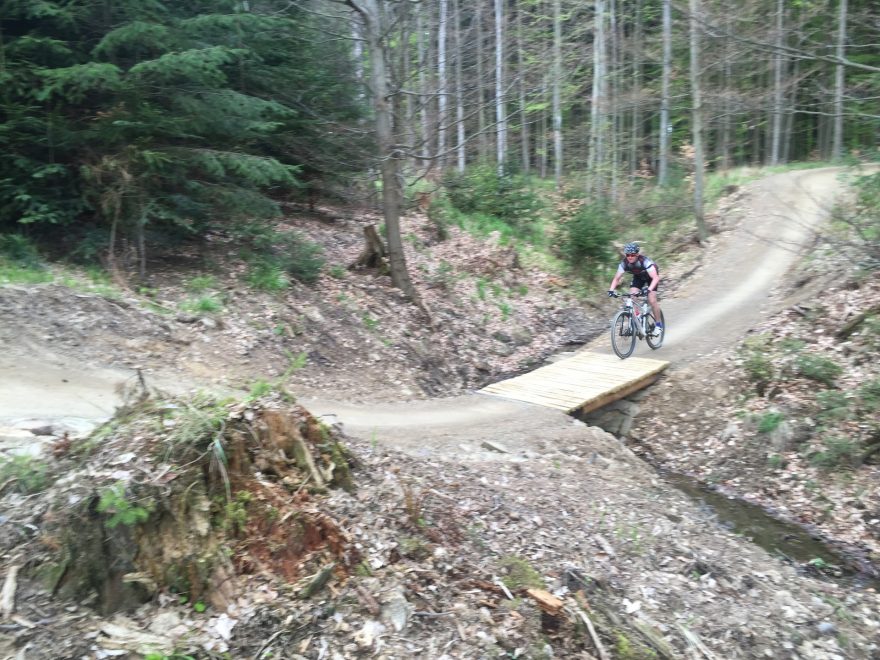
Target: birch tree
point(461, 146)
point(500, 110)
point(441, 84)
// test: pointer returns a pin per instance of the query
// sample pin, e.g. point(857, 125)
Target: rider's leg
point(655, 307)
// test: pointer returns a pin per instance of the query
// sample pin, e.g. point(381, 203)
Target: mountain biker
point(646, 279)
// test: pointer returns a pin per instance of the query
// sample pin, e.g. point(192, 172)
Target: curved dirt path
point(731, 292)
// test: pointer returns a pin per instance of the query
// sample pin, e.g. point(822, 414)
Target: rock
point(826, 628)
point(397, 610)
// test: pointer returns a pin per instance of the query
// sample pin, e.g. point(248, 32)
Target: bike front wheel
point(656, 342)
point(623, 335)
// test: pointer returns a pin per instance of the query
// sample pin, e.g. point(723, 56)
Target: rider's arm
point(616, 280)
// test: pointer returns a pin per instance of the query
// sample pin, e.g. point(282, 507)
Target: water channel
point(790, 541)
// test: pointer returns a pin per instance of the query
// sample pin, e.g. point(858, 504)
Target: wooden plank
point(544, 394)
point(525, 397)
point(584, 382)
point(610, 397)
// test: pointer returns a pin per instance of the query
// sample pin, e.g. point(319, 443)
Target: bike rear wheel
point(623, 334)
point(656, 342)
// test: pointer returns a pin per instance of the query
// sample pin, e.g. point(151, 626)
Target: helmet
point(631, 248)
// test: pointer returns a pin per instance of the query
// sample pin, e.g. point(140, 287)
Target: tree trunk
point(837, 139)
point(461, 147)
point(442, 99)
point(482, 125)
point(778, 96)
point(500, 111)
point(557, 83)
point(525, 151)
point(374, 30)
point(635, 148)
point(423, 87)
point(598, 114)
point(697, 120)
point(665, 127)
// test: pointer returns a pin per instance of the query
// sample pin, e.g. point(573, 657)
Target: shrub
point(481, 190)
point(206, 304)
point(836, 452)
point(770, 421)
point(267, 277)
point(20, 261)
point(19, 250)
point(869, 394)
point(26, 473)
point(586, 242)
point(201, 283)
point(833, 405)
point(756, 361)
point(121, 512)
point(818, 368)
point(271, 252)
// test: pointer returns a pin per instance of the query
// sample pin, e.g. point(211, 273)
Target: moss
point(520, 574)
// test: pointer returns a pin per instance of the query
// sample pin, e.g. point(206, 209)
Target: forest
point(185, 190)
point(129, 126)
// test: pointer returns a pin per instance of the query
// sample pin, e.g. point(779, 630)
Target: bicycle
point(634, 321)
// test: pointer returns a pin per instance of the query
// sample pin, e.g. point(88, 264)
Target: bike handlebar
point(614, 294)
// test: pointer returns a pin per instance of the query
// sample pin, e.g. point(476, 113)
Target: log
point(7, 595)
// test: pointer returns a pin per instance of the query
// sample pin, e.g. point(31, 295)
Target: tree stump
point(374, 254)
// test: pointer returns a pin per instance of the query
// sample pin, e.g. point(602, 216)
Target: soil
point(498, 483)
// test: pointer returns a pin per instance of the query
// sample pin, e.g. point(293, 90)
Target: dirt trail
point(729, 294)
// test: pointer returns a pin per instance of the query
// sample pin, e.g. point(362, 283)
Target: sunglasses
point(632, 255)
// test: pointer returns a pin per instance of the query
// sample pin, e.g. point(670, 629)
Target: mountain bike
point(634, 321)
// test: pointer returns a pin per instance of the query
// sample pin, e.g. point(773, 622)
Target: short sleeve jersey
point(639, 267)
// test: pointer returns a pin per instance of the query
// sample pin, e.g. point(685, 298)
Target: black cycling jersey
point(639, 267)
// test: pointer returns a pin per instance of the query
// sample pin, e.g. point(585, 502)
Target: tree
point(665, 127)
point(375, 29)
point(697, 119)
point(837, 143)
point(131, 118)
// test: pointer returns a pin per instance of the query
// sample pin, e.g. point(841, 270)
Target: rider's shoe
point(658, 330)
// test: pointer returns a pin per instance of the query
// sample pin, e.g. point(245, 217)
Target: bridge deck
point(583, 382)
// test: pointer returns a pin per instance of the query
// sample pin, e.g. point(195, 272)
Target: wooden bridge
point(584, 382)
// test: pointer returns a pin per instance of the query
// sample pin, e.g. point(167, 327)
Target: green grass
point(201, 284)
point(11, 273)
point(770, 421)
point(26, 474)
point(205, 304)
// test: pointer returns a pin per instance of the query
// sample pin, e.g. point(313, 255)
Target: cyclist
point(646, 279)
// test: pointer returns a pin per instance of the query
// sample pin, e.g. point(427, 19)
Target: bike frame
point(639, 314)
point(631, 323)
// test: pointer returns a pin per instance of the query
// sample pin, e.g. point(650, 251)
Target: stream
point(790, 541)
